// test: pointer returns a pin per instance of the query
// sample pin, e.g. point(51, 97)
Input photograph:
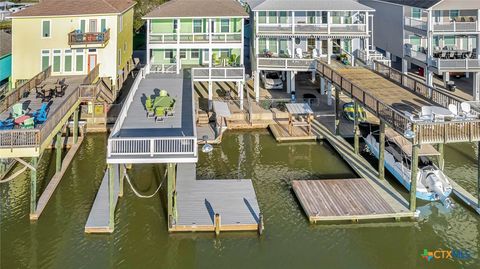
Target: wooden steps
point(202, 118)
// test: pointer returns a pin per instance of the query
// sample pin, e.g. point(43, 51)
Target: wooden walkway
point(389, 195)
point(341, 199)
point(465, 196)
point(98, 219)
point(199, 200)
point(52, 185)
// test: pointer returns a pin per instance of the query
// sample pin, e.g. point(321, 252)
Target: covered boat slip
point(211, 205)
point(141, 138)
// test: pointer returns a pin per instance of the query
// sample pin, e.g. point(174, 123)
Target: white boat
point(432, 183)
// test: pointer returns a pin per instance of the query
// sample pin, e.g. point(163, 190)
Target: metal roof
point(198, 9)
point(425, 4)
point(305, 5)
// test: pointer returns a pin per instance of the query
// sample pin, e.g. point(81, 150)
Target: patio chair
point(467, 111)
point(454, 109)
point(451, 55)
point(426, 114)
point(28, 123)
point(159, 114)
point(314, 53)
point(289, 52)
point(18, 111)
point(299, 53)
point(41, 114)
point(149, 107)
point(7, 124)
point(163, 93)
point(444, 55)
point(171, 110)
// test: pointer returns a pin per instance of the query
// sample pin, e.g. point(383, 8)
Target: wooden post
point(58, 151)
point(356, 141)
point(337, 112)
point(111, 178)
point(217, 223)
point(75, 126)
point(33, 186)
point(413, 177)
point(121, 179)
point(381, 151)
point(441, 161)
point(260, 224)
point(171, 189)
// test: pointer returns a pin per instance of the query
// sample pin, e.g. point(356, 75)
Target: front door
point(92, 61)
point(205, 57)
point(93, 26)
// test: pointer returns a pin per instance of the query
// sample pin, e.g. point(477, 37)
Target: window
point(175, 25)
point(195, 54)
point(283, 44)
point(45, 28)
point(311, 17)
point(197, 26)
point(103, 25)
point(183, 54)
point(262, 45)
point(120, 27)
point(45, 59)
point(82, 26)
point(416, 13)
point(272, 17)
point(79, 60)
point(415, 41)
point(262, 17)
point(449, 41)
point(57, 57)
point(225, 26)
point(272, 45)
point(224, 53)
point(437, 15)
point(67, 62)
point(311, 44)
point(168, 54)
point(453, 14)
point(283, 17)
point(297, 41)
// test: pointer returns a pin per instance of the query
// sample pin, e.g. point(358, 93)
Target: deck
point(199, 200)
point(342, 199)
point(279, 130)
point(137, 138)
point(98, 219)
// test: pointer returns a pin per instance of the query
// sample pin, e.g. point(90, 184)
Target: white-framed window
point(453, 14)
point(311, 18)
point(83, 26)
point(197, 26)
point(272, 17)
point(195, 54)
point(416, 13)
point(120, 27)
point(79, 60)
point(46, 28)
point(175, 25)
point(283, 18)
point(67, 61)
point(57, 61)
point(183, 54)
point(103, 25)
point(262, 17)
point(225, 25)
point(168, 54)
point(224, 53)
point(45, 59)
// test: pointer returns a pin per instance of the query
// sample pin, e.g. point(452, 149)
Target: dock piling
point(441, 158)
point(413, 177)
point(75, 126)
point(381, 152)
point(58, 151)
point(356, 140)
point(121, 180)
point(33, 186)
point(217, 223)
point(337, 112)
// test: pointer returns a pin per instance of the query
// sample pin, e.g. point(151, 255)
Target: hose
point(140, 195)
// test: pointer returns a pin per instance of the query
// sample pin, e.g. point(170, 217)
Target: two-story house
point(290, 36)
point(73, 37)
point(206, 36)
point(439, 36)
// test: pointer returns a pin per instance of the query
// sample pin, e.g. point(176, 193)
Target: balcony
point(91, 39)
point(455, 26)
point(191, 38)
point(218, 74)
point(416, 24)
point(309, 29)
point(448, 60)
point(285, 64)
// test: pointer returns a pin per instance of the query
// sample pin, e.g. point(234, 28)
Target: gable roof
point(305, 5)
point(198, 9)
point(425, 4)
point(75, 7)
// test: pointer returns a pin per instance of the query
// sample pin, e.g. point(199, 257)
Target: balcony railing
point(456, 64)
point(304, 28)
point(455, 26)
point(417, 55)
point(286, 63)
point(173, 38)
point(415, 23)
point(146, 146)
point(218, 74)
point(92, 38)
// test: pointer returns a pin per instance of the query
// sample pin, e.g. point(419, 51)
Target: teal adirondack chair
point(17, 110)
point(28, 124)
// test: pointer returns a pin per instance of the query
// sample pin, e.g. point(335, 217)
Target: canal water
point(141, 240)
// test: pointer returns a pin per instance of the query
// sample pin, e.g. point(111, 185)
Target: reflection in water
point(141, 240)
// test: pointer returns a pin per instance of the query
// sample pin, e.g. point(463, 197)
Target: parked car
point(271, 80)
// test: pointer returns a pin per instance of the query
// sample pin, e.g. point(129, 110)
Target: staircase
point(202, 118)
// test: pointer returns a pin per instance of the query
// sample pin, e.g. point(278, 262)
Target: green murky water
point(141, 240)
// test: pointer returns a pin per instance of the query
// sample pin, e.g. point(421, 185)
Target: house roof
point(198, 8)
point(425, 4)
point(75, 7)
point(5, 43)
point(305, 5)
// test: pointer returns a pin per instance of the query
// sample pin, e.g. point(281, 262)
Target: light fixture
point(207, 148)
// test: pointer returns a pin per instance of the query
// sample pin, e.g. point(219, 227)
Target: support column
point(381, 151)
point(322, 85)
point(441, 160)
point(329, 50)
point(121, 173)
point(404, 66)
point(111, 206)
point(256, 85)
point(413, 177)
point(476, 86)
point(446, 78)
point(337, 112)
point(330, 88)
point(240, 93)
point(292, 81)
point(289, 82)
point(75, 126)
point(58, 151)
point(429, 76)
point(210, 95)
point(171, 206)
point(33, 186)
point(147, 56)
point(356, 131)
point(177, 60)
point(314, 73)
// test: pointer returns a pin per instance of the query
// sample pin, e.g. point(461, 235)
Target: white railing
point(275, 27)
point(173, 38)
point(455, 26)
point(226, 37)
point(151, 146)
point(163, 38)
point(287, 63)
point(415, 23)
point(348, 28)
point(218, 74)
point(308, 28)
point(163, 68)
point(373, 55)
point(456, 64)
point(422, 57)
point(311, 28)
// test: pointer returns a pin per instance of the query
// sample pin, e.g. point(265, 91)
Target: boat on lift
point(432, 183)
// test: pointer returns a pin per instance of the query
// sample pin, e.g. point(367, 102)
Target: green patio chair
point(159, 114)
point(29, 123)
point(215, 59)
point(233, 60)
point(17, 110)
point(149, 107)
point(163, 93)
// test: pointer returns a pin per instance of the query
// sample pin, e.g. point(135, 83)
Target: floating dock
point(279, 130)
point(199, 201)
point(99, 218)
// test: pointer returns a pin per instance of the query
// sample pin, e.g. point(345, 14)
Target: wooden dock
point(52, 185)
point(279, 130)
point(389, 196)
point(198, 201)
point(464, 196)
point(98, 219)
point(343, 199)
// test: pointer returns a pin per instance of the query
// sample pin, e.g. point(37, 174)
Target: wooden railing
point(425, 132)
point(92, 75)
point(14, 96)
point(78, 38)
point(19, 138)
point(93, 91)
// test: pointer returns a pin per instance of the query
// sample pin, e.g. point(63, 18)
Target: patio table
point(21, 119)
point(164, 101)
